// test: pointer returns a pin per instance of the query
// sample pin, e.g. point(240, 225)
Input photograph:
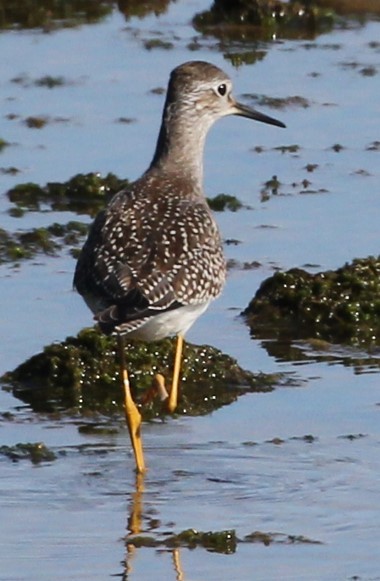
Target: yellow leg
point(173, 397)
point(158, 385)
point(132, 414)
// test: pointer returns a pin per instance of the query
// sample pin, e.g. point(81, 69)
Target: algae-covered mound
point(341, 306)
point(35, 452)
point(266, 15)
point(48, 14)
point(81, 374)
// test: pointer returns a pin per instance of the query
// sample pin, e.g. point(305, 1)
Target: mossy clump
point(50, 82)
point(341, 306)
point(48, 14)
point(35, 452)
point(262, 18)
point(218, 542)
point(351, 7)
point(136, 8)
point(3, 144)
point(27, 244)
point(223, 202)
point(267, 539)
point(81, 375)
point(83, 194)
point(214, 541)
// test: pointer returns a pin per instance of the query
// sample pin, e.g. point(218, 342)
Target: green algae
point(223, 542)
point(35, 452)
point(262, 19)
point(80, 375)
point(50, 82)
point(25, 245)
point(223, 202)
point(136, 8)
point(46, 81)
point(155, 43)
point(3, 144)
point(341, 306)
point(218, 542)
point(36, 122)
point(267, 539)
point(83, 194)
point(51, 14)
point(351, 7)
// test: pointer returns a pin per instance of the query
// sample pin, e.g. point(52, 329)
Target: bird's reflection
point(135, 528)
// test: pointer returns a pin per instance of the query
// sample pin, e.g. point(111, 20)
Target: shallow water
point(248, 466)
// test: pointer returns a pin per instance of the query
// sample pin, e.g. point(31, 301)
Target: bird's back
point(155, 248)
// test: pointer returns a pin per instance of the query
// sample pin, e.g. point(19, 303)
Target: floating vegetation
point(136, 8)
point(225, 541)
point(337, 147)
point(216, 542)
point(50, 82)
point(223, 202)
point(374, 146)
point(50, 240)
point(3, 144)
point(12, 171)
point(288, 148)
point(263, 19)
point(341, 306)
point(278, 538)
point(83, 194)
point(126, 120)
point(38, 122)
point(246, 55)
point(51, 14)
point(82, 374)
point(47, 81)
point(351, 7)
point(270, 188)
point(34, 122)
point(158, 43)
point(36, 452)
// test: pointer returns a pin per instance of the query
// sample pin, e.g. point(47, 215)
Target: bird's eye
point(222, 89)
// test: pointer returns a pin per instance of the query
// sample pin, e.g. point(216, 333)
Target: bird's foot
point(158, 389)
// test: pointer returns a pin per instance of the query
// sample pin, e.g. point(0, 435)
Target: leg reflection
point(134, 539)
point(134, 524)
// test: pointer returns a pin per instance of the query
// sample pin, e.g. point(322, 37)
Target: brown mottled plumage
point(151, 251)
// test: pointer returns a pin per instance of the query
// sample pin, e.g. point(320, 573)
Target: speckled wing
point(142, 258)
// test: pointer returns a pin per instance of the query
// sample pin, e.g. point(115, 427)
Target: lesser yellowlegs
point(153, 260)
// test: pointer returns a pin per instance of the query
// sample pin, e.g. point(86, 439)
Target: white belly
point(176, 322)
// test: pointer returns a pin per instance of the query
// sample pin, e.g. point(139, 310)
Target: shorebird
point(153, 260)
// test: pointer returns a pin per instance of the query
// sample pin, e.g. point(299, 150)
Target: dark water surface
point(249, 466)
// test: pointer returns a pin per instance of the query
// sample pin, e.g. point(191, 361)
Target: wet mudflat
point(286, 481)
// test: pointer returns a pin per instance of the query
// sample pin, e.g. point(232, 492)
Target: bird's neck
point(179, 149)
